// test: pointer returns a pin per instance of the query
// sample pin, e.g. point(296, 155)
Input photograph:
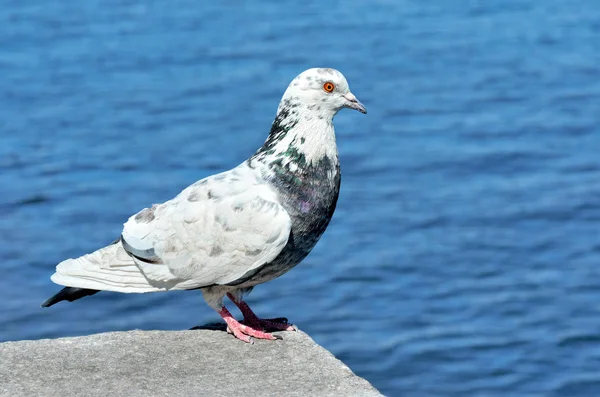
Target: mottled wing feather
point(214, 232)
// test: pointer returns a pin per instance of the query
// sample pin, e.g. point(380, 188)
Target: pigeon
point(231, 231)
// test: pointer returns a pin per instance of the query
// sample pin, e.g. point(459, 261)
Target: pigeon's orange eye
point(329, 86)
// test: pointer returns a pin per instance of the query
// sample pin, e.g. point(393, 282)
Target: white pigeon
point(229, 232)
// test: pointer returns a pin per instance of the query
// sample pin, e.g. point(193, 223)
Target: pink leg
point(250, 318)
point(241, 331)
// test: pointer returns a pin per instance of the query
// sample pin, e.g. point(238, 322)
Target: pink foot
point(252, 320)
point(243, 332)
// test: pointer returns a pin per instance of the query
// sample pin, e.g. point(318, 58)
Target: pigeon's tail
point(107, 269)
point(68, 294)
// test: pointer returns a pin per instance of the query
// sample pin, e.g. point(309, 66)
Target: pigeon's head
point(321, 90)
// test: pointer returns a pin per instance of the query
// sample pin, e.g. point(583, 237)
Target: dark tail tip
point(68, 294)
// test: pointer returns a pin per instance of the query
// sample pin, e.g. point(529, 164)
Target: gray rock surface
point(203, 362)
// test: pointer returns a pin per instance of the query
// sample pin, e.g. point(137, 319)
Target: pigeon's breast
point(312, 201)
point(309, 195)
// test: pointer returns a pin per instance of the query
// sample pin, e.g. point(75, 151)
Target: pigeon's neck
point(300, 135)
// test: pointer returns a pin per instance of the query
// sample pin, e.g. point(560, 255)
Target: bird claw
point(252, 325)
point(244, 332)
point(240, 335)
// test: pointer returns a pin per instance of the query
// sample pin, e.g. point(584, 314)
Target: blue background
point(463, 257)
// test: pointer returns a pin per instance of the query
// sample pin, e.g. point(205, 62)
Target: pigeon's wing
point(214, 232)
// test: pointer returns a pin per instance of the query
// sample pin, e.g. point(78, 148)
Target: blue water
point(463, 257)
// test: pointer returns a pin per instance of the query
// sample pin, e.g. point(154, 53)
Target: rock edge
point(201, 362)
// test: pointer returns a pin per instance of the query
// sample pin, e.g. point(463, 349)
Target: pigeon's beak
point(354, 103)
